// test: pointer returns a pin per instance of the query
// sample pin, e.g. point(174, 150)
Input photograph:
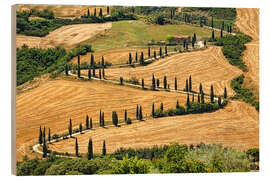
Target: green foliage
point(243, 93)
point(233, 47)
point(254, 154)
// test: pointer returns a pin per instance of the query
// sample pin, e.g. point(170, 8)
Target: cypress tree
point(44, 148)
point(225, 93)
point(165, 82)
point(221, 33)
point(94, 72)
point(166, 51)
point(40, 139)
point(204, 43)
point(95, 12)
point(140, 114)
point(194, 37)
point(142, 59)
point(76, 148)
point(104, 148)
point(219, 101)
point(190, 84)
point(87, 122)
point(100, 117)
point(222, 26)
point(66, 69)
point(153, 82)
point(137, 112)
point(155, 54)
point(149, 52)
point(153, 110)
point(199, 98)
point(91, 123)
point(202, 97)
point(49, 135)
point(44, 134)
point(80, 127)
point(201, 90)
point(177, 104)
point(212, 22)
point(188, 103)
point(192, 97)
point(160, 52)
point(99, 73)
point(184, 44)
point(89, 73)
point(100, 12)
point(70, 128)
point(103, 73)
point(125, 115)
point(114, 118)
point(213, 35)
point(142, 83)
point(161, 107)
point(193, 43)
point(130, 58)
point(186, 86)
point(90, 149)
point(212, 94)
point(175, 84)
point(92, 60)
point(79, 67)
point(136, 56)
point(121, 81)
point(157, 83)
point(102, 61)
point(108, 10)
point(88, 13)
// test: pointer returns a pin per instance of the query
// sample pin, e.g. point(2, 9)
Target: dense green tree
point(160, 52)
point(142, 83)
point(121, 81)
point(141, 59)
point(100, 12)
point(102, 119)
point(125, 115)
point(140, 114)
point(153, 82)
point(136, 56)
point(89, 73)
point(221, 33)
point(177, 104)
point(190, 84)
point(92, 63)
point(76, 148)
point(161, 107)
point(225, 93)
point(44, 148)
point(153, 109)
point(114, 118)
point(79, 67)
point(103, 73)
point(66, 69)
point(70, 128)
point(88, 13)
point(155, 54)
point(91, 123)
point(149, 52)
point(213, 35)
point(212, 96)
point(80, 127)
point(102, 62)
point(104, 148)
point(188, 102)
point(175, 83)
point(90, 149)
point(157, 83)
point(165, 82)
point(130, 58)
point(87, 122)
point(99, 73)
point(137, 112)
point(49, 135)
point(201, 90)
point(186, 86)
point(40, 139)
point(193, 43)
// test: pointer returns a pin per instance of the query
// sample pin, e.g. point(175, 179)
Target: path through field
point(248, 23)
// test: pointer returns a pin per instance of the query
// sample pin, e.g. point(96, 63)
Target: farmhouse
point(181, 39)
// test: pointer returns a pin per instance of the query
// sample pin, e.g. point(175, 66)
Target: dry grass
point(207, 67)
point(248, 23)
point(68, 36)
point(235, 126)
point(54, 102)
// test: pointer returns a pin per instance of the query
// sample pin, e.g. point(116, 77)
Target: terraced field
point(248, 23)
point(207, 67)
point(235, 126)
point(53, 103)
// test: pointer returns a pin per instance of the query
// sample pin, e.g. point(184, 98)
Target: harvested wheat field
point(207, 67)
point(248, 23)
point(65, 11)
point(234, 126)
point(53, 103)
point(117, 56)
point(68, 36)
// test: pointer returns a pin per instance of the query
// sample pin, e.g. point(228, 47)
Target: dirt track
point(53, 103)
point(248, 23)
point(235, 126)
point(67, 36)
point(208, 67)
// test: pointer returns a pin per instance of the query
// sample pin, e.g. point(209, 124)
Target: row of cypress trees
point(95, 12)
point(90, 152)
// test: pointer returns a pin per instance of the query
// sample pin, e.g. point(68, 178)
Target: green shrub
point(254, 153)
